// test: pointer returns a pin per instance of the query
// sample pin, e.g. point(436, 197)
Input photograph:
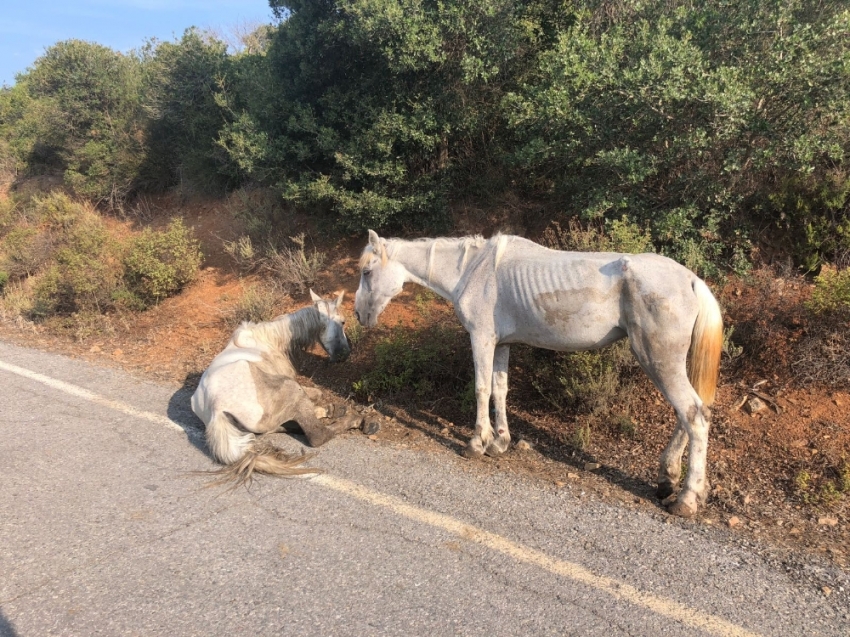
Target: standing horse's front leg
point(482, 356)
point(500, 392)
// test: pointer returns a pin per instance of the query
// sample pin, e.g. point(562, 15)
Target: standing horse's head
point(381, 279)
point(332, 337)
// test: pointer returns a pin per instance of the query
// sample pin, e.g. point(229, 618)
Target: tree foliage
point(716, 125)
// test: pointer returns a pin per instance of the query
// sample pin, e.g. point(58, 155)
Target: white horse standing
point(250, 388)
point(510, 290)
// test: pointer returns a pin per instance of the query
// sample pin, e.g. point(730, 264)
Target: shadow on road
point(6, 629)
point(180, 412)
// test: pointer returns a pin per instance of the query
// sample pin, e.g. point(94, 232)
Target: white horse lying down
point(510, 290)
point(250, 388)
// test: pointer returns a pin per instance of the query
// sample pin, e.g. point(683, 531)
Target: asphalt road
point(104, 530)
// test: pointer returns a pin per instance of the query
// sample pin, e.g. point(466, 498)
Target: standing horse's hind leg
point(693, 420)
point(670, 471)
point(482, 355)
point(664, 362)
point(500, 392)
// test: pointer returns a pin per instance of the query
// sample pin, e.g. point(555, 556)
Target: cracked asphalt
point(106, 530)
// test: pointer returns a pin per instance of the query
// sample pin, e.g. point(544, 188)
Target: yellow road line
point(615, 588)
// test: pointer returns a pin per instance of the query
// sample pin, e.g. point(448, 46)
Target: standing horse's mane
point(287, 333)
point(391, 245)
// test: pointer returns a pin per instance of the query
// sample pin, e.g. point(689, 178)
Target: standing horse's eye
point(367, 272)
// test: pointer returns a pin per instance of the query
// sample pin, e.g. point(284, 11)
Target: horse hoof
point(665, 490)
point(352, 421)
point(681, 509)
point(472, 453)
point(371, 427)
point(496, 449)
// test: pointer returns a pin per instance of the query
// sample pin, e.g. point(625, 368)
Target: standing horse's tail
point(242, 454)
point(706, 344)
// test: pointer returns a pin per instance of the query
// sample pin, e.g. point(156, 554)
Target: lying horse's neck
point(292, 332)
point(437, 264)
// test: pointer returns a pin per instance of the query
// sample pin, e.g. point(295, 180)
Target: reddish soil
point(755, 461)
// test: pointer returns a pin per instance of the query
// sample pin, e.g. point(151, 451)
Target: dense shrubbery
point(161, 263)
point(713, 126)
point(61, 259)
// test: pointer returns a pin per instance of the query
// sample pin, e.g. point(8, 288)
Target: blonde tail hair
point(243, 455)
point(706, 345)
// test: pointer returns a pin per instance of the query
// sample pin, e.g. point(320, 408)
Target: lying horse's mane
point(288, 333)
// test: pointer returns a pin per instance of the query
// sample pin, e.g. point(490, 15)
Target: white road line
point(615, 588)
point(85, 394)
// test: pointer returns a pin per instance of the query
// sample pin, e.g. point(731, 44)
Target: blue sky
point(27, 27)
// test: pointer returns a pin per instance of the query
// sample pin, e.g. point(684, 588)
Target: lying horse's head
point(332, 336)
point(381, 279)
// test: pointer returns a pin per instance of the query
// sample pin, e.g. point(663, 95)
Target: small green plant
point(257, 304)
point(585, 381)
point(832, 291)
point(354, 331)
point(84, 274)
point(625, 425)
point(4, 279)
point(581, 437)
point(825, 492)
point(731, 350)
point(423, 300)
point(802, 481)
point(58, 211)
point(829, 494)
point(23, 251)
point(243, 253)
point(619, 235)
point(294, 267)
point(160, 263)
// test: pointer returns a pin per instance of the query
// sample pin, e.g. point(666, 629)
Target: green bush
point(57, 211)
point(619, 235)
point(24, 250)
point(831, 292)
point(184, 84)
point(160, 263)
point(89, 118)
point(585, 382)
point(85, 275)
point(434, 362)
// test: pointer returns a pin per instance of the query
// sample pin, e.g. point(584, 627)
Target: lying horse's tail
point(242, 454)
point(706, 344)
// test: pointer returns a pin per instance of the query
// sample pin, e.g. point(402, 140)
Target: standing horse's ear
point(315, 297)
point(339, 298)
point(375, 241)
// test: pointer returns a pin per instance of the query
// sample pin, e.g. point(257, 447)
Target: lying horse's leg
point(482, 355)
point(290, 403)
point(318, 432)
point(500, 392)
point(313, 393)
